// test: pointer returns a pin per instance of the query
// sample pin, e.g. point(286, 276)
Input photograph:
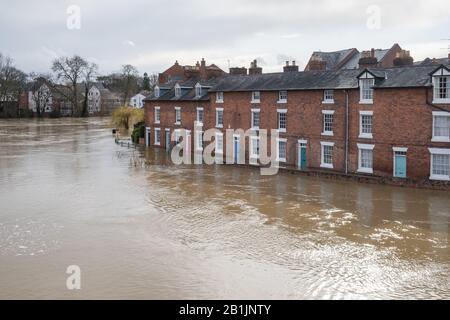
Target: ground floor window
point(281, 150)
point(199, 140)
point(254, 147)
point(157, 136)
point(327, 154)
point(440, 164)
point(219, 142)
point(365, 158)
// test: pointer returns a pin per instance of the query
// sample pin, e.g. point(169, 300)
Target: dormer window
point(441, 85)
point(328, 96)
point(157, 92)
point(366, 83)
point(177, 91)
point(198, 90)
point(219, 97)
point(282, 96)
point(256, 97)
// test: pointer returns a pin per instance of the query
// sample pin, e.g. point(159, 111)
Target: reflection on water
point(69, 195)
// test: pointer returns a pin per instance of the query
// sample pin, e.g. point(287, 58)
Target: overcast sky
point(152, 34)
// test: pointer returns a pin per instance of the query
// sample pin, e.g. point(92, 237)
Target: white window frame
point(157, 115)
point(438, 151)
point(363, 135)
point(256, 100)
point(253, 111)
point(156, 92)
point(362, 146)
point(200, 123)
point(177, 113)
point(326, 95)
point(219, 125)
point(324, 114)
point(442, 72)
point(322, 163)
point(366, 77)
point(198, 90)
point(218, 147)
point(439, 138)
point(157, 142)
point(219, 97)
point(198, 135)
point(177, 91)
point(252, 142)
point(281, 111)
point(278, 159)
point(282, 98)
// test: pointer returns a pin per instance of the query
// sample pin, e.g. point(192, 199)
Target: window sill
point(440, 139)
point(219, 126)
point(254, 157)
point(177, 123)
point(366, 102)
point(326, 165)
point(281, 130)
point(157, 122)
point(441, 101)
point(254, 128)
point(439, 177)
point(365, 136)
point(255, 101)
point(199, 124)
point(282, 101)
point(328, 102)
point(280, 160)
point(330, 134)
point(365, 170)
point(219, 101)
point(157, 143)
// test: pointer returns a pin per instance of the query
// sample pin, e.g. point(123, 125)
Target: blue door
point(303, 158)
point(400, 166)
point(236, 149)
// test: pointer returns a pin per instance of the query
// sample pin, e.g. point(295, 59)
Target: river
point(141, 228)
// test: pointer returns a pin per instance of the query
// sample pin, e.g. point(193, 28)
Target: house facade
point(392, 124)
point(102, 101)
point(137, 101)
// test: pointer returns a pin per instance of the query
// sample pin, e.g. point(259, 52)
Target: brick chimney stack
point(317, 63)
point(203, 63)
point(254, 69)
point(290, 68)
point(403, 58)
point(368, 59)
point(238, 71)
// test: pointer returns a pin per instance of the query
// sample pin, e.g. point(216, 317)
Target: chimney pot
point(293, 62)
point(372, 53)
point(287, 63)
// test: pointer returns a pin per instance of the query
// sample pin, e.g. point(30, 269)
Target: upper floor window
point(282, 120)
point(441, 126)
point(255, 118)
point(282, 96)
point(328, 96)
point(177, 91)
point(365, 124)
point(157, 92)
point(328, 116)
point(219, 97)
point(177, 115)
point(219, 118)
point(256, 97)
point(441, 85)
point(157, 115)
point(200, 115)
point(366, 90)
point(198, 90)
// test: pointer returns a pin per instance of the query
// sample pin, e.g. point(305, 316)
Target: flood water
point(70, 196)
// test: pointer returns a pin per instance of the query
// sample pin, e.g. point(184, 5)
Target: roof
point(334, 58)
point(397, 77)
point(187, 92)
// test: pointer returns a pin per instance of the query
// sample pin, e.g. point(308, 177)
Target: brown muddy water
point(70, 196)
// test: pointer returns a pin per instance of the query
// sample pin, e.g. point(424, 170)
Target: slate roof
point(187, 93)
point(332, 59)
point(398, 77)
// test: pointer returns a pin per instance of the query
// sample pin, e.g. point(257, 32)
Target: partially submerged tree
point(41, 93)
point(89, 73)
point(129, 81)
point(12, 81)
point(125, 117)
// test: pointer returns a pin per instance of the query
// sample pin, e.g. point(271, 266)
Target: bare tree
point(129, 81)
point(12, 81)
point(41, 93)
point(71, 70)
point(89, 73)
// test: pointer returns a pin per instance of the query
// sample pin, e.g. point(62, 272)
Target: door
point(302, 156)
point(400, 165)
point(167, 140)
point(236, 149)
point(147, 137)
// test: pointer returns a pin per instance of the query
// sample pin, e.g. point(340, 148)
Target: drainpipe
point(346, 131)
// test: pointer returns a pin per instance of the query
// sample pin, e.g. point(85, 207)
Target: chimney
point(368, 59)
point(290, 68)
point(254, 69)
point(203, 63)
point(238, 71)
point(197, 64)
point(317, 63)
point(449, 55)
point(176, 62)
point(403, 58)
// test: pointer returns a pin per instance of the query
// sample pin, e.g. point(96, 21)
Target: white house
point(94, 100)
point(137, 101)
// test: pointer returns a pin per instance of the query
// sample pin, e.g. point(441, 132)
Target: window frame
point(177, 91)
point(363, 89)
point(219, 110)
point(435, 138)
point(156, 92)
point(177, 113)
point(258, 100)
point(253, 111)
point(280, 96)
point(325, 114)
point(216, 140)
point(200, 123)
point(157, 141)
point(366, 147)
point(157, 115)
point(444, 74)
point(323, 164)
point(279, 112)
point(281, 140)
point(365, 135)
point(252, 144)
point(438, 151)
point(326, 100)
point(219, 97)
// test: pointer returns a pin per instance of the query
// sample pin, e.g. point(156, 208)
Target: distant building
point(351, 59)
point(102, 101)
point(137, 101)
point(199, 71)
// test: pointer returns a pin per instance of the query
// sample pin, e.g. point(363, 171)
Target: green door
point(303, 158)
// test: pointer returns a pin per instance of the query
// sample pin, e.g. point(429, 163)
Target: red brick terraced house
point(392, 124)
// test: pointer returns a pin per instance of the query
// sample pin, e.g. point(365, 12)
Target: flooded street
point(70, 196)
